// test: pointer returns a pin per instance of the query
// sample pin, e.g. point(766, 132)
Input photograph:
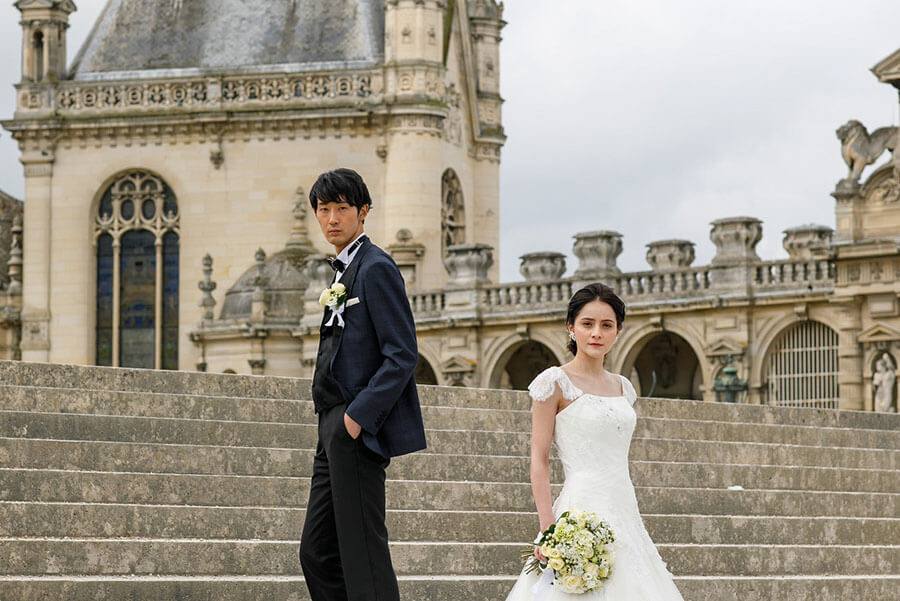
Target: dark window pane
point(106, 208)
point(169, 205)
point(127, 209)
point(149, 208)
point(170, 301)
point(137, 297)
point(104, 299)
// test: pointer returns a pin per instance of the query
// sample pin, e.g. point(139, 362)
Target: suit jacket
point(376, 355)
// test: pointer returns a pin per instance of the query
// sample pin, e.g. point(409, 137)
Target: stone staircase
point(123, 484)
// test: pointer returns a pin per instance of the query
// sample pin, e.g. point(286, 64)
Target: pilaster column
point(38, 165)
point(850, 359)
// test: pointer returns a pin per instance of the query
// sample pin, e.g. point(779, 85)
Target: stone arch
point(629, 360)
point(800, 366)
point(453, 211)
point(766, 337)
point(425, 373)
point(526, 356)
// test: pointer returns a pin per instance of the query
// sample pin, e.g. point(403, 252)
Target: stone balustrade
point(793, 274)
point(523, 295)
point(427, 304)
point(657, 285)
point(685, 284)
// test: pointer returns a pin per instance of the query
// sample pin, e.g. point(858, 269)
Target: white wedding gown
point(592, 435)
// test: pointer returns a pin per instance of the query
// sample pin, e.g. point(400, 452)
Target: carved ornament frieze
point(77, 98)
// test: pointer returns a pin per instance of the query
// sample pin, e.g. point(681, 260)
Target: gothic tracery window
point(136, 232)
point(453, 212)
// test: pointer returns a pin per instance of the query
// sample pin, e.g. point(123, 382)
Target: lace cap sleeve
point(544, 385)
point(628, 389)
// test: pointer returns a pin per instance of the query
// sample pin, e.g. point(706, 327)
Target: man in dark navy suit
point(365, 396)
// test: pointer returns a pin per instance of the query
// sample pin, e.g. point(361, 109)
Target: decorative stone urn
point(468, 265)
point(735, 239)
point(597, 252)
point(670, 255)
point(806, 242)
point(542, 266)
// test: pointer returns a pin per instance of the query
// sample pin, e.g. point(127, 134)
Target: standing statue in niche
point(883, 381)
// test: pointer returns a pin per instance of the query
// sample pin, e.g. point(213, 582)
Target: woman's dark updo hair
point(590, 293)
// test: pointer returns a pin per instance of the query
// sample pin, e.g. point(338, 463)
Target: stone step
point(154, 404)
point(96, 520)
point(54, 485)
point(171, 458)
point(68, 426)
point(819, 436)
point(772, 530)
point(84, 377)
point(237, 588)
point(795, 588)
point(765, 414)
point(48, 485)
point(767, 502)
point(226, 409)
point(432, 588)
point(243, 491)
point(182, 557)
point(229, 385)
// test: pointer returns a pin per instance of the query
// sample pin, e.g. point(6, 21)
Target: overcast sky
point(651, 117)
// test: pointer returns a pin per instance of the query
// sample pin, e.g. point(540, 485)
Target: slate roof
point(141, 38)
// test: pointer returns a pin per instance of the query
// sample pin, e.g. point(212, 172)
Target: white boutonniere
point(335, 298)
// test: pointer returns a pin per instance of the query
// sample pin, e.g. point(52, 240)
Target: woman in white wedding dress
point(588, 412)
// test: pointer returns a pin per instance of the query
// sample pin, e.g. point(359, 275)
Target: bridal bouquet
point(577, 552)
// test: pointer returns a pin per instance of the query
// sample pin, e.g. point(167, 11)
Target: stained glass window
point(137, 234)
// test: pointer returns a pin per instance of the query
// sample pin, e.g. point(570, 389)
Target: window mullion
point(158, 305)
point(116, 293)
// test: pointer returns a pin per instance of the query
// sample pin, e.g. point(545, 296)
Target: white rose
point(324, 297)
point(339, 289)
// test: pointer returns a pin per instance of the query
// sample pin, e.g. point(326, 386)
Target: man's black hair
point(340, 185)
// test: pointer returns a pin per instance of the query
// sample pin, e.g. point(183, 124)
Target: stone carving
point(207, 285)
point(299, 238)
point(735, 239)
point(542, 266)
point(884, 383)
point(468, 265)
point(887, 191)
point(806, 242)
point(670, 255)
point(206, 93)
point(453, 211)
point(860, 149)
point(15, 258)
point(597, 252)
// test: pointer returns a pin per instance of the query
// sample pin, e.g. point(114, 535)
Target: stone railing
point(791, 274)
point(656, 285)
point(426, 304)
point(218, 93)
point(526, 295)
point(688, 284)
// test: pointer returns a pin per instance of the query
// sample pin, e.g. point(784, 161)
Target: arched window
point(136, 233)
point(453, 212)
point(802, 367)
point(38, 54)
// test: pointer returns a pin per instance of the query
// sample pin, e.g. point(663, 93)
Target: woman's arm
point(543, 420)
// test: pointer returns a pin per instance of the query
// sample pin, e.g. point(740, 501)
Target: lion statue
point(860, 149)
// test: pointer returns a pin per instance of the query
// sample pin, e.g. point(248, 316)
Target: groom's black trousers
point(344, 547)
